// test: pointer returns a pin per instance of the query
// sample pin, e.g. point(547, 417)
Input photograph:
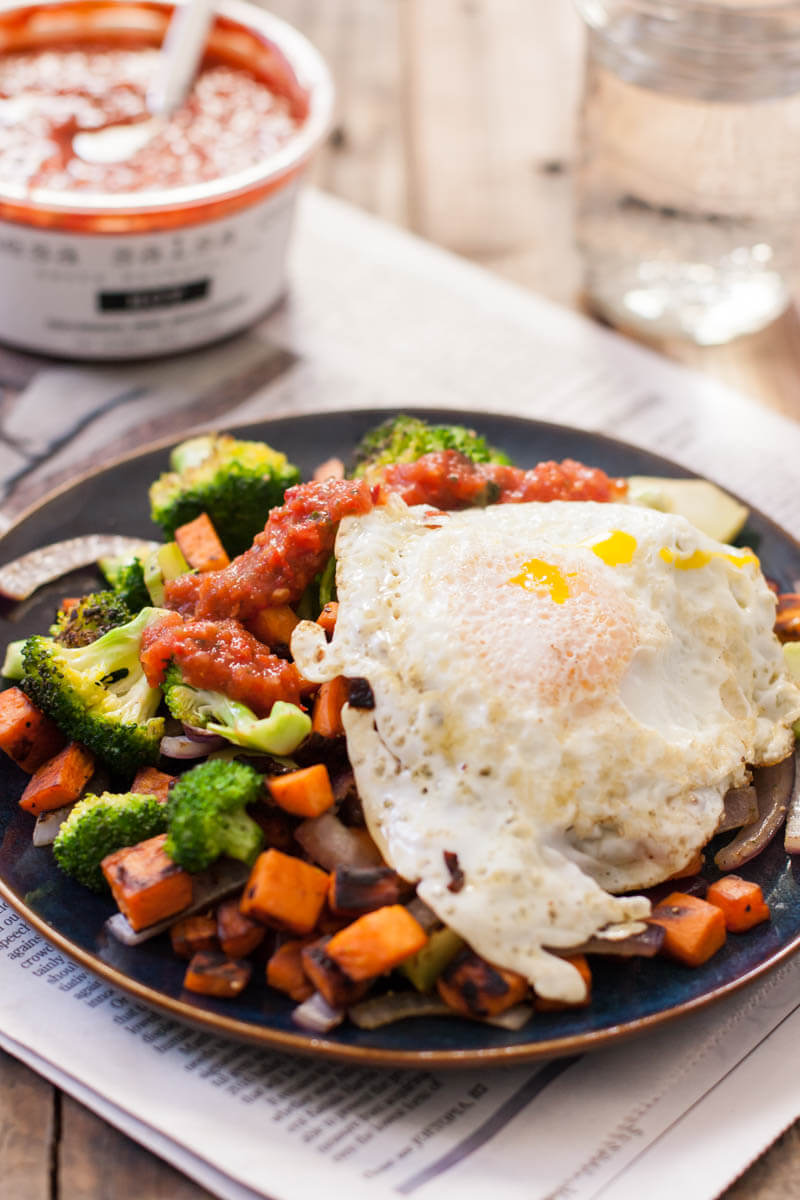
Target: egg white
point(563, 693)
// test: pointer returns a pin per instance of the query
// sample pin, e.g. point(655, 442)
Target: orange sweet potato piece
point(149, 781)
point(304, 793)
point(199, 544)
point(146, 884)
point(693, 867)
point(26, 734)
point(581, 964)
point(59, 781)
point(742, 903)
point(274, 626)
point(377, 942)
point(326, 715)
point(213, 974)
point(284, 891)
point(338, 988)
point(476, 988)
point(356, 890)
point(238, 935)
point(285, 971)
point(693, 928)
point(327, 618)
point(190, 934)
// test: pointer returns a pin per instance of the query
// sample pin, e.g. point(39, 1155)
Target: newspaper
point(377, 318)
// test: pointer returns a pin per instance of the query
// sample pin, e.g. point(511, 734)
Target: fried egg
point(563, 694)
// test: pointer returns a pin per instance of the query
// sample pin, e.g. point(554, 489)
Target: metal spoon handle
point(181, 52)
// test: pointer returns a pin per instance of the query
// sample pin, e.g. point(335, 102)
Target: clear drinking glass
point(689, 174)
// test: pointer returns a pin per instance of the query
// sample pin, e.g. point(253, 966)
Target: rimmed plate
point(628, 997)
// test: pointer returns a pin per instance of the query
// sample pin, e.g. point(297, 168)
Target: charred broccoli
point(404, 439)
point(235, 482)
point(126, 577)
point(280, 733)
point(99, 825)
point(89, 618)
point(206, 815)
point(98, 694)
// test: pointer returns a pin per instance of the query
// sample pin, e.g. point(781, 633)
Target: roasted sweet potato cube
point(742, 902)
point(190, 934)
point(146, 884)
point(475, 988)
point(377, 942)
point(26, 734)
point(338, 988)
point(285, 971)
point(326, 716)
point(284, 891)
point(213, 974)
point(59, 781)
point(274, 626)
point(693, 928)
point(304, 793)
point(356, 890)
point(149, 781)
point(199, 544)
point(238, 935)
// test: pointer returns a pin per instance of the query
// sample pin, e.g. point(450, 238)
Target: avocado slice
point(709, 509)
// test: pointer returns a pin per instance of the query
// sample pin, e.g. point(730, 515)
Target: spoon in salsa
point(181, 53)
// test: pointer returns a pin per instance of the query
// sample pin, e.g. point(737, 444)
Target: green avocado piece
point(709, 509)
point(425, 967)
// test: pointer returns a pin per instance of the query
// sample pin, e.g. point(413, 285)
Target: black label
point(146, 298)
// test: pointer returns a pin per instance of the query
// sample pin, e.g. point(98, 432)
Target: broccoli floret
point(99, 825)
point(235, 482)
point(98, 694)
point(206, 815)
point(90, 618)
point(405, 439)
point(125, 576)
point(279, 733)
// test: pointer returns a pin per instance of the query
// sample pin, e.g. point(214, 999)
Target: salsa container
point(133, 274)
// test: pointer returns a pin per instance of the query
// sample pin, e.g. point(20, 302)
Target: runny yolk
point(617, 550)
point(538, 575)
point(701, 558)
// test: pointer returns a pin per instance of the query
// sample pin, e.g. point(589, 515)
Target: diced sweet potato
point(285, 891)
point(377, 942)
point(146, 884)
point(694, 929)
point(285, 971)
point(213, 974)
point(327, 618)
point(238, 935)
point(580, 962)
point(304, 793)
point(26, 734)
point(191, 934)
point(338, 988)
point(475, 988)
point(326, 715)
point(152, 782)
point(199, 544)
point(274, 626)
point(355, 890)
point(59, 781)
point(742, 903)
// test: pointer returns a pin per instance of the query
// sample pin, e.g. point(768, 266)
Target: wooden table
point(455, 119)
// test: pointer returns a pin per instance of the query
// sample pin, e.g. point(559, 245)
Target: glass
point(689, 175)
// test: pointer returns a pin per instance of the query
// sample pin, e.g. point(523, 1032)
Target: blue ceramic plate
point(628, 997)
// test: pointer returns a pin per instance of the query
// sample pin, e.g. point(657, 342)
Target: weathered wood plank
point(97, 1162)
point(26, 1132)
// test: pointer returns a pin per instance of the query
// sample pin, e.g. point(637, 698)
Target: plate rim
point(320, 1046)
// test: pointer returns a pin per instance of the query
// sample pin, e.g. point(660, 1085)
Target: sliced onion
point(20, 578)
point(741, 808)
point(197, 734)
point(182, 746)
point(422, 913)
point(645, 944)
point(317, 1015)
point(396, 1006)
point(216, 883)
point(513, 1018)
point(791, 840)
point(45, 831)
point(774, 786)
point(332, 844)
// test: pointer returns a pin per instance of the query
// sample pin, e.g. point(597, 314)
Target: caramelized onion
point(773, 786)
point(316, 1015)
